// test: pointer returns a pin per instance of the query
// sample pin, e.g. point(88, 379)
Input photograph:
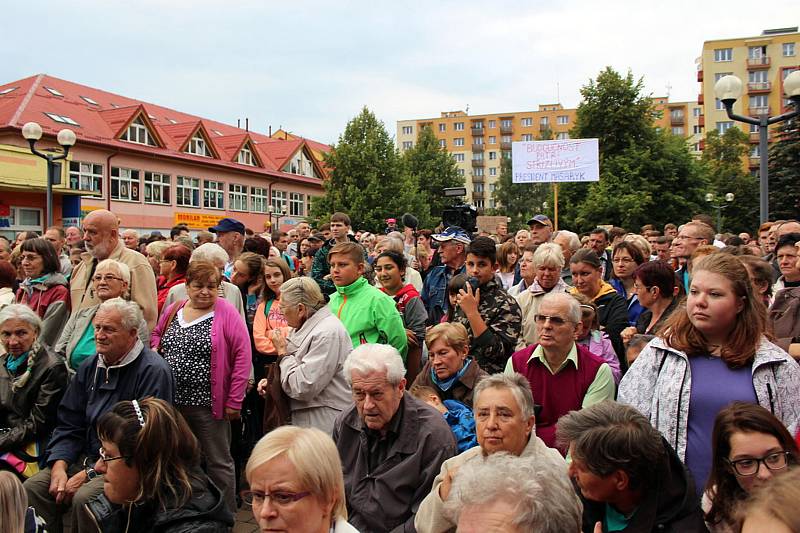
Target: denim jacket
point(434, 292)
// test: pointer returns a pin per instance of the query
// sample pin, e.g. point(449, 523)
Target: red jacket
point(50, 300)
point(164, 286)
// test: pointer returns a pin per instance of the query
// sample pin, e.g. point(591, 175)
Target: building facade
point(152, 166)
point(762, 63)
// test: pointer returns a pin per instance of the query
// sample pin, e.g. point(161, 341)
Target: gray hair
point(573, 241)
point(21, 312)
point(131, 232)
point(302, 290)
point(367, 358)
point(130, 312)
point(573, 305)
point(539, 494)
point(156, 248)
point(610, 436)
point(211, 252)
point(523, 232)
point(549, 255)
point(393, 244)
point(516, 383)
point(122, 269)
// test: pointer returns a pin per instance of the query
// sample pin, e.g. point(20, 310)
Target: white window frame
point(458, 157)
point(198, 146)
point(237, 197)
point(788, 49)
point(157, 181)
point(527, 137)
point(458, 126)
point(245, 156)
point(297, 204)
point(258, 199)
point(562, 120)
point(526, 122)
point(89, 176)
point(14, 217)
point(493, 171)
point(138, 133)
point(723, 126)
point(492, 155)
point(187, 187)
point(544, 121)
point(61, 119)
point(478, 172)
point(458, 141)
point(442, 143)
point(506, 123)
point(442, 127)
point(408, 130)
point(677, 130)
point(562, 136)
point(492, 123)
point(408, 145)
point(213, 194)
point(492, 139)
point(278, 200)
point(127, 180)
point(723, 55)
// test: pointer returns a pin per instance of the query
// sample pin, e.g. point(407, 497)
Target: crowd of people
point(415, 380)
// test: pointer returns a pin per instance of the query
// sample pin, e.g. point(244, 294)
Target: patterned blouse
point(187, 349)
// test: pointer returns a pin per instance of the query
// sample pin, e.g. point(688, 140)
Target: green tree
point(722, 163)
point(432, 168)
point(645, 176)
point(367, 180)
point(784, 172)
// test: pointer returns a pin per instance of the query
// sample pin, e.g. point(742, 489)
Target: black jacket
point(29, 414)
point(612, 313)
point(205, 512)
point(670, 506)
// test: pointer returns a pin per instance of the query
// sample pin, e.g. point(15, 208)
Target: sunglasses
point(555, 320)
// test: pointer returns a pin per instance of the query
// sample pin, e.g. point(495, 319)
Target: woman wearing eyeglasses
point(625, 259)
point(750, 447)
point(44, 289)
point(152, 480)
point(710, 353)
point(111, 279)
point(656, 287)
point(296, 483)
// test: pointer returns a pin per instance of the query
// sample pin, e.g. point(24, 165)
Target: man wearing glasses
point(563, 375)
point(691, 236)
point(123, 369)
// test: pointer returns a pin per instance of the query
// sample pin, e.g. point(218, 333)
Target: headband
point(138, 412)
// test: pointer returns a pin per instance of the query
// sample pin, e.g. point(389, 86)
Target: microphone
point(409, 221)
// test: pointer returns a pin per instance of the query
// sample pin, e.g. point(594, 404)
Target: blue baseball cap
point(452, 233)
point(227, 224)
point(544, 220)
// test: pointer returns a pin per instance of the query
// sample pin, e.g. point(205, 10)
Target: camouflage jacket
point(503, 319)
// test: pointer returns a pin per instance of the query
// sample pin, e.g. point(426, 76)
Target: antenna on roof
point(669, 89)
point(238, 123)
point(467, 109)
point(270, 130)
point(246, 124)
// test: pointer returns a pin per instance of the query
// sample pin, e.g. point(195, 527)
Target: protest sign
point(569, 160)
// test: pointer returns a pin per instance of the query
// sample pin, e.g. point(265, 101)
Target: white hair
point(21, 312)
point(302, 290)
point(211, 252)
point(516, 383)
point(538, 492)
point(131, 232)
point(550, 255)
point(130, 312)
point(573, 305)
point(573, 241)
point(523, 232)
point(123, 270)
point(367, 358)
point(393, 244)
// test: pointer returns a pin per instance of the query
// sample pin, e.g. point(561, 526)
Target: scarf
point(28, 283)
point(448, 383)
point(13, 364)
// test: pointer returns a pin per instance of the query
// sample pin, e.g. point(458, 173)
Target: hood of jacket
point(560, 286)
point(605, 289)
point(408, 291)
point(54, 279)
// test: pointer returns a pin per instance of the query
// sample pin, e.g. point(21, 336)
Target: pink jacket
point(230, 355)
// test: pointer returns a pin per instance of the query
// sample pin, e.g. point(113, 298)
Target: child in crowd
point(457, 415)
point(456, 284)
point(595, 340)
point(635, 346)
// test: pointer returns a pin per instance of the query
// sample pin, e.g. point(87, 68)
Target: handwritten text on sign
point(555, 161)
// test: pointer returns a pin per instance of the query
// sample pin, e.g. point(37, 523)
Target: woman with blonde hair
point(507, 256)
point(296, 483)
point(15, 515)
point(710, 353)
point(152, 480)
point(773, 508)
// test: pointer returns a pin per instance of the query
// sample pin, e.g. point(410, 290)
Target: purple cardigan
point(230, 355)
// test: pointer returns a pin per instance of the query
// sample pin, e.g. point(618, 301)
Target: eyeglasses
point(555, 320)
point(108, 277)
point(750, 466)
point(30, 257)
point(256, 498)
point(624, 260)
point(106, 459)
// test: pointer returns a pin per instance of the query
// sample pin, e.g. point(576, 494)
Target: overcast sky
point(311, 66)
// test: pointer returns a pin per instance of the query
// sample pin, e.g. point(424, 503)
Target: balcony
point(755, 137)
point(759, 111)
point(701, 121)
point(506, 130)
point(700, 75)
point(755, 63)
point(477, 163)
point(702, 144)
point(477, 179)
point(755, 162)
point(676, 120)
point(505, 146)
point(478, 195)
point(477, 147)
point(477, 132)
point(759, 87)
point(700, 99)
point(543, 127)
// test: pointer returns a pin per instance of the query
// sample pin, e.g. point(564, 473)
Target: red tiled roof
point(103, 123)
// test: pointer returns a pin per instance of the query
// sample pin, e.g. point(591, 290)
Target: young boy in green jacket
point(369, 315)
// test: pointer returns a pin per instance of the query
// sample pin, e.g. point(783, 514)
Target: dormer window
point(198, 146)
point(246, 156)
point(138, 133)
point(54, 91)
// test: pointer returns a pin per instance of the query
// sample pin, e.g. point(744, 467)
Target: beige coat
point(431, 519)
point(142, 285)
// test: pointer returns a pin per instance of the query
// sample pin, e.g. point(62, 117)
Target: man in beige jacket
point(101, 235)
point(504, 419)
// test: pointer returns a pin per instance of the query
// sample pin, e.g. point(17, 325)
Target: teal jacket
point(369, 315)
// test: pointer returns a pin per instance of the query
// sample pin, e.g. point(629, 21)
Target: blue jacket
point(634, 307)
point(95, 390)
point(462, 424)
point(434, 292)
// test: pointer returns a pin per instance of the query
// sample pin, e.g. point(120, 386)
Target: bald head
point(101, 233)
point(790, 226)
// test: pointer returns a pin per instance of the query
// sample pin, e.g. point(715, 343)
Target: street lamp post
point(728, 199)
point(66, 138)
point(272, 212)
point(728, 89)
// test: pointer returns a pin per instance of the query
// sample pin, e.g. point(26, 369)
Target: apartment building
point(681, 118)
point(152, 166)
point(479, 142)
point(762, 63)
